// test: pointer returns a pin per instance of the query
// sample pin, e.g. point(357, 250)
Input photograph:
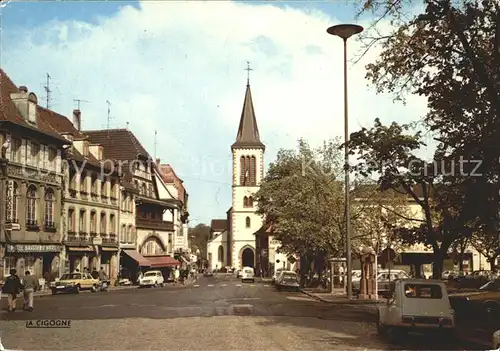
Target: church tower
point(248, 171)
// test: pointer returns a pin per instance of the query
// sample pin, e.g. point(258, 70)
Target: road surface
point(218, 313)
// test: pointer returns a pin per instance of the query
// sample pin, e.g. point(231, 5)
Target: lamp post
point(345, 31)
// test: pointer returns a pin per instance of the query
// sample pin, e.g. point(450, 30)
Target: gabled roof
point(248, 131)
point(10, 113)
point(60, 123)
point(218, 225)
point(118, 144)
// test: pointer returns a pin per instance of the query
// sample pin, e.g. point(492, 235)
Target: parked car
point(288, 280)
point(384, 279)
point(74, 283)
point(416, 305)
point(277, 274)
point(152, 279)
point(484, 301)
point(247, 274)
point(208, 273)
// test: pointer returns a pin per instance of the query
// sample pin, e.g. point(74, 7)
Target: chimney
point(23, 89)
point(77, 119)
point(157, 161)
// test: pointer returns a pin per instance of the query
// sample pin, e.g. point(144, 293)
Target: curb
point(341, 300)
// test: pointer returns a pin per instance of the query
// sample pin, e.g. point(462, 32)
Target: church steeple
point(248, 131)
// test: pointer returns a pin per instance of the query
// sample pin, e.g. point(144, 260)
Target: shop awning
point(163, 261)
point(104, 248)
point(133, 254)
point(81, 248)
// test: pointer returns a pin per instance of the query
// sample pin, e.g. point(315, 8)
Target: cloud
point(178, 68)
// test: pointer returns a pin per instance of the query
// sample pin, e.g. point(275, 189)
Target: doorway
point(248, 258)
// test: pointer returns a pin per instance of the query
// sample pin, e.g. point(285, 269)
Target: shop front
point(81, 257)
point(109, 262)
point(131, 263)
point(42, 260)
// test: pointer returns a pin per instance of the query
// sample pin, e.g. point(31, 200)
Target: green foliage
point(199, 236)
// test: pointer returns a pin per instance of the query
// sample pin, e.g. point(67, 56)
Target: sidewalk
point(339, 298)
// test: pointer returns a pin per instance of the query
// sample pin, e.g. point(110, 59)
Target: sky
point(178, 68)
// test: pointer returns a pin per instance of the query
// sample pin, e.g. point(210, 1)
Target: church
point(235, 241)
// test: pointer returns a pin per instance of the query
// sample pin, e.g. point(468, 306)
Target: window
point(16, 149)
point(103, 188)
point(112, 224)
point(35, 153)
point(29, 265)
point(123, 233)
point(124, 201)
point(52, 158)
point(220, 254)
point(144, 189)
point(83, 218)
point(245, 201)
point(93, 222)
point(247, 222)
point(94, 185)
point(31, 205)
point(113, 189)
point(83, 180)
point(248, 201)
point(423, 291)
point(71, 220)
point(12, 213)
point(253, 164)
point(103, 223)
point(49, 207)
point(129, 234)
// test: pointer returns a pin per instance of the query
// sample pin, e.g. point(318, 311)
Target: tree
point(488, 244)
point(446, 215)
point(446, 54)
point(199, 238)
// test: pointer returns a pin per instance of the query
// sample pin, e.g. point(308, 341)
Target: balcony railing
point(32, 225)
point(72, 193)
point(114, 200)
point(154, 224)
point(110, 240)
point(94, 196)
point(84, 195)
point(49, 226)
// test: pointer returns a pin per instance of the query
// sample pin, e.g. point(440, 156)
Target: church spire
point(248, 132)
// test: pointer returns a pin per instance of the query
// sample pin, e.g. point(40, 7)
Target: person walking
point(31, 285)
point(12, 287)
point(176, 275)
point(102, 274)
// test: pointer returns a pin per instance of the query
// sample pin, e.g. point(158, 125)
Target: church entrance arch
point(248, 257)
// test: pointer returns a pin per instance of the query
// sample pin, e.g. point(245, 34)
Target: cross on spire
point(248, 69)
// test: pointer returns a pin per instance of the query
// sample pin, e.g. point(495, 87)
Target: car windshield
point(423, 291)
point(71, 276)
point(492, 285)
point(289, 276)
point(150, 274)
point(248, 271)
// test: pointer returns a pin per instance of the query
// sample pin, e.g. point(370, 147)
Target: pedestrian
point(102, 274)
point(12, 287)
point(176, 275)
point(95, 274)
point(31, 285)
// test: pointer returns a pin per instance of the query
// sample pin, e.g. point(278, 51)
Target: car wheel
point(94, 288)
point(54, 291)
point(77, 289)
point(396, 335)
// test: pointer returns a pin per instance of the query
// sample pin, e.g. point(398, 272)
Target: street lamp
point(345, 31)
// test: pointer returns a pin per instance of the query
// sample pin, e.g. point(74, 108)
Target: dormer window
point(99, 152)
point(32, 102)
point(85, 148)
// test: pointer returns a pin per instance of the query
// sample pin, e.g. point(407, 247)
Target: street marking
point(266, 286)
point(238, 284)
point(252, 285)
point(209, 285)
point(224, 285)
point(297, 298)
point(196, 286)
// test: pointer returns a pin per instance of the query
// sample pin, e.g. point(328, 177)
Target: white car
point(416, 305)
point(152, 278)
point(247, 274)
point(277, 274)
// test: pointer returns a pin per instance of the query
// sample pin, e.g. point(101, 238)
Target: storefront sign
point(33, 248)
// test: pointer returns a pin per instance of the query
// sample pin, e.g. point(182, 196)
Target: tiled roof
point(118, 144)
point(170, 177)
point(218, 225)
point(60, 123)
point(9, 112)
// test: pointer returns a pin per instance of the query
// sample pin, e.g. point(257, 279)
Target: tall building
point(232, 242)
